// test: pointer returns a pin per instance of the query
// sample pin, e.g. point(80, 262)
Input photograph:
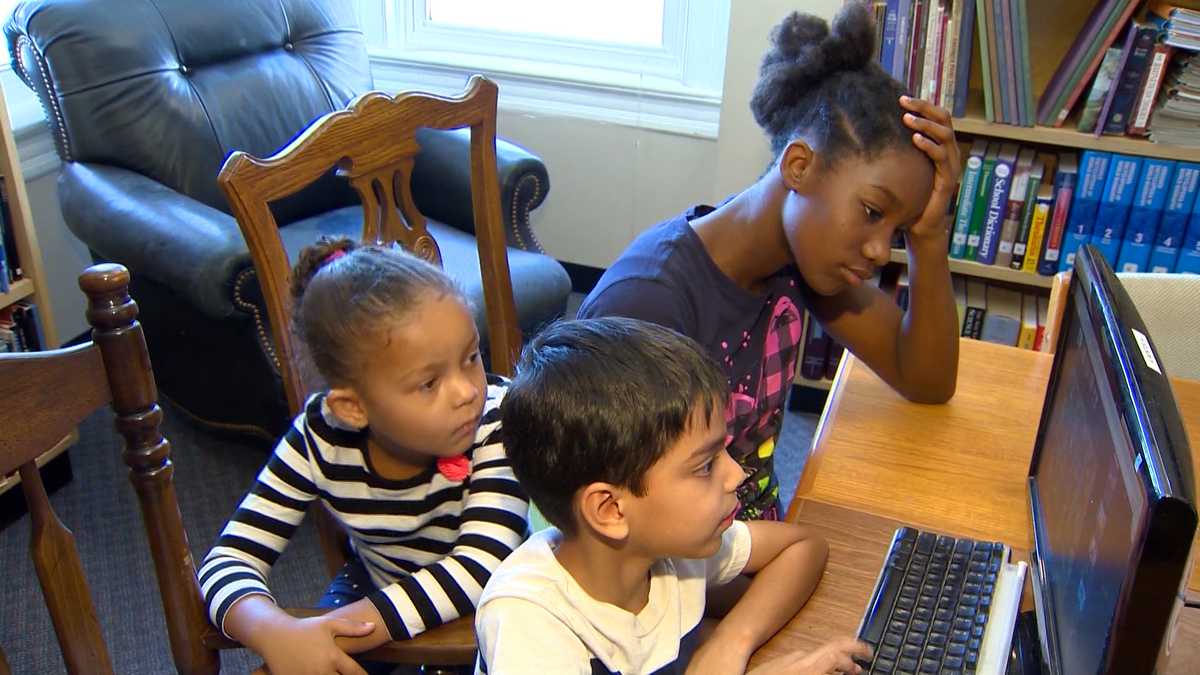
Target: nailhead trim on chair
point(524, 218)
point(62, 131)
point(264, 339)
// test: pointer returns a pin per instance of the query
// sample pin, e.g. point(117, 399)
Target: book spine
point(1024, 72)
point(1144, 215)
point(1090, 61)
point(916, 47)
point(1007, 28)
point(1125, 92)
point(816, 350)
point(997, 201)
point(933, 47)
point(994, 47)
point(1025, 227)
point(1037, 231)
point(985, 67)
point(1189, 253)
point(966, 201)
point(979, 208)
point(1113, 212)
point(1003, 73)
point(1064, 197)
point(1174, 221)
point(903, 40)
point(1093, 171)
point(1139, 121)
point(891, 23)
point(1011, 220)
point(1055, 89)
point(962, 64)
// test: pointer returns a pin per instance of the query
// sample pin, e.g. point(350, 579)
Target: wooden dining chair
point(373, 144)
point(46, 395)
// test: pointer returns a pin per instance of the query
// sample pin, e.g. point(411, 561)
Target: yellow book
point(1037, 228)
point(1029, 322)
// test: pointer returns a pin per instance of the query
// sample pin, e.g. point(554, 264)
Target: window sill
point(629, 100)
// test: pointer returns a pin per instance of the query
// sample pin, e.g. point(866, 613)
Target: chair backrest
point(1169, 304)
point(169, 88)
point(373, 144)
point(46, 395)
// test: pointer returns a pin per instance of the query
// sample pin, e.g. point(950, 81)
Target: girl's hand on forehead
point(934, 135)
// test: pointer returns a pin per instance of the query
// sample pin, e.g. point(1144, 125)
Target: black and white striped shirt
point(429, 543)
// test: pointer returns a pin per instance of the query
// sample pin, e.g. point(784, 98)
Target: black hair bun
point(313, 258)
point(804, 53)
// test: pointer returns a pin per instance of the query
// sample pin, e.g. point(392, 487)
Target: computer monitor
point(1110, 487)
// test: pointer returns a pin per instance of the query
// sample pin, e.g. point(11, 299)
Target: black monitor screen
point(1093, 506)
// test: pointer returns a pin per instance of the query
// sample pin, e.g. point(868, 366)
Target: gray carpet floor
point(212, 474)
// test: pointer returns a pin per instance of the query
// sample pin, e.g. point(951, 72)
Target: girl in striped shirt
point(403, 447)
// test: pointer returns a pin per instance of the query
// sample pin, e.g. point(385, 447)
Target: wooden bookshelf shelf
point(18, 290)
point(981, 271)
point(975, 123)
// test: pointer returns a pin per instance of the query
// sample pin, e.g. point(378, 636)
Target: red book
point(1090, 71)
point(1143, 105)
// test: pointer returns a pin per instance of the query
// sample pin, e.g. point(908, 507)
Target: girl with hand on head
point(855, 160)
point(403, 448)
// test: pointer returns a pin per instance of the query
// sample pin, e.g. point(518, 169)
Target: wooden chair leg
point(4, 668)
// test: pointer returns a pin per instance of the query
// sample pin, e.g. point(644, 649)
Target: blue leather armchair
point(146, 98)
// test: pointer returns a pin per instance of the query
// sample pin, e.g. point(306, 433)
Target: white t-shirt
point(534, 618)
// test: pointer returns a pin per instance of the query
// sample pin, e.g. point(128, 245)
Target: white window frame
point(674, 87)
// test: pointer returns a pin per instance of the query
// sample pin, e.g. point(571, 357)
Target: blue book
point(1174, 221)
point(1119, 188)
point(904, 35)
point(1002, 177)
point(1093, 170)
point(1144, 215)
point(891, 23)
point(963, 75)
point(1189, 252)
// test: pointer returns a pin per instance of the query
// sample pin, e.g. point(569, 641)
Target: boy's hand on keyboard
point(834, 657)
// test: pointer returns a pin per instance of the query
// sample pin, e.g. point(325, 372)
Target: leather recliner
point(145, 100)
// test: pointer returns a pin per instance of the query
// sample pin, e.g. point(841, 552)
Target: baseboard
point(583, 277)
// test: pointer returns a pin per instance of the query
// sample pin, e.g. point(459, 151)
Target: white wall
point(742, 149)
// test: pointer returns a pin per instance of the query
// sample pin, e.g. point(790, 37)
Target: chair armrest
point(441, 184)
point(166, 236)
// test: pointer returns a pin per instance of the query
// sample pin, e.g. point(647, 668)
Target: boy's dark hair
point(346, 294)
point(826, 84)
point(601, 400)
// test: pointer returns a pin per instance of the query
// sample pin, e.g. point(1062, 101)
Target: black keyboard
point(931, 604)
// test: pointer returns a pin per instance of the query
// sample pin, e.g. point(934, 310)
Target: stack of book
point(993, 313)
point(1004, 61)
point(10, 268)
point(1031, 211)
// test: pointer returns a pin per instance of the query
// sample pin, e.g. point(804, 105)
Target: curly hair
point(824, 83)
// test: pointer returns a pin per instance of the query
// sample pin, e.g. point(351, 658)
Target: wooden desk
point(879, 461)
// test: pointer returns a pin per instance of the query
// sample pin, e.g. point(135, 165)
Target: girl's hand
point(935, 137)
point(833, 657)
point(307, 647)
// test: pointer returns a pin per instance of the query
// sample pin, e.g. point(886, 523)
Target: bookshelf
point(991, 272)
point(32, 286)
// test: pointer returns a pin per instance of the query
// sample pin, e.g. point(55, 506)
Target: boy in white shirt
point(616, 429)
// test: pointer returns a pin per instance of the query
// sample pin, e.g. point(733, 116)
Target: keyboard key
point(971, 658)
point(975, 578)
point(953, 662)
point(945, 614)
point(883, 666)
point(923, 614)
point(910, 652)
point(981, 618)
point(973, 647)
point(893, 639)
point(938, 639)
point(906, 603)
point(969, 599)
point(907, 665)
point(985, 602)
point(930, 666)
point(902, 614)
point(925, 542)
point(977, 632)
point(967, 611)
point(956, 649)
point(960, 636)
point(888, 652)
point(920, 626)
point(934, 652)
point(940, 626)
point(915, 639)
point(897, 627)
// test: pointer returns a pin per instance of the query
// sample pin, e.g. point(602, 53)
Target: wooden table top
point(958, 467)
